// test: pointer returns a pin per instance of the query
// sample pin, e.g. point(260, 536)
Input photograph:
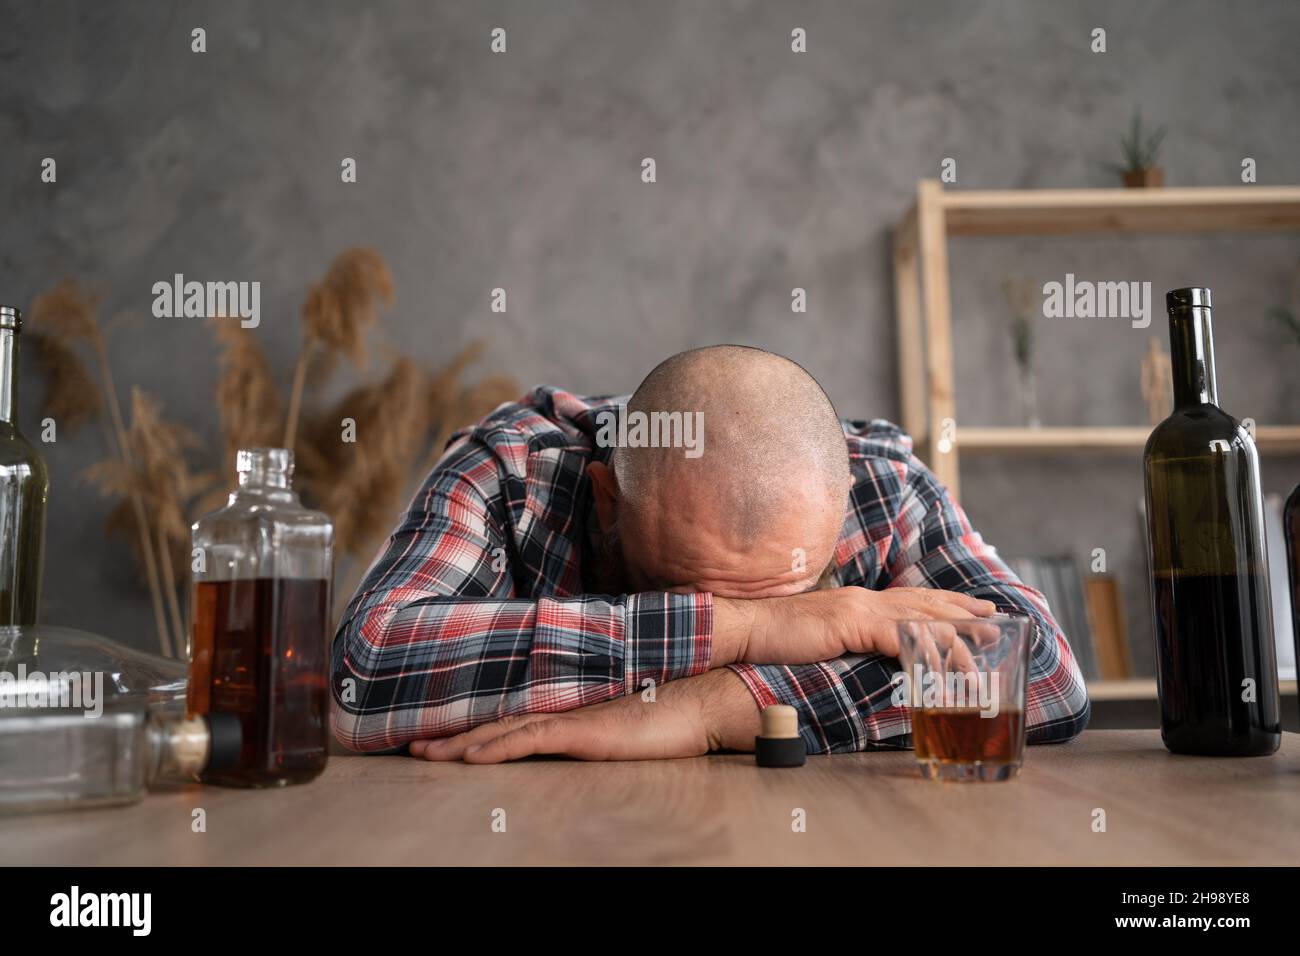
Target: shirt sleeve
point(846, 704)
point(436, 640)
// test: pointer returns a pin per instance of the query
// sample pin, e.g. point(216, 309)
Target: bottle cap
point(10, 317)
point(272, 467)
point(227, 735)
point(1180, 300)
point(778, 743)
point(270, 460)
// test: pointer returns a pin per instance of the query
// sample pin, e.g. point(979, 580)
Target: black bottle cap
point(780, 751)
point(227, 738)
point(779, 743)
point(1180, 300)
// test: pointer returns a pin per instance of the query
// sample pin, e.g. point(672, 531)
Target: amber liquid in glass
point(962, 735)
point(259, 652)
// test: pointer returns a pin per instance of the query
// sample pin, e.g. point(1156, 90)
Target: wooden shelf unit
point(923, 308)
point(923, 312)
point(1282, 439)
point(1065, 211)
point(1144, 688)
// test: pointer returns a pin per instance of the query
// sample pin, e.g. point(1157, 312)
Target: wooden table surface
point(860, 809)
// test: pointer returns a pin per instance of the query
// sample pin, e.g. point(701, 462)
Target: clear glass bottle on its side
point(86, 721)
point(57, 759)
point(261, 606)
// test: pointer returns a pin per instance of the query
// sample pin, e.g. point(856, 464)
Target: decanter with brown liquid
point(261, 605)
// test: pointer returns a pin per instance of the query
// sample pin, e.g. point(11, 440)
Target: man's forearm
point(732, 622)
point(591, 649)
point(730, 712)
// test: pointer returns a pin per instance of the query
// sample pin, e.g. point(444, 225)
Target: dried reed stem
point(169, 585)
point(137, 504)
point(248, 401)
point(295, 395)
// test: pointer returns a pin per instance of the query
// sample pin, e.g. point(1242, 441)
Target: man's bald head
point(769, 432)
point(770, 484)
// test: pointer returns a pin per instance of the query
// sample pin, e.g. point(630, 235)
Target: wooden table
point(868, 809)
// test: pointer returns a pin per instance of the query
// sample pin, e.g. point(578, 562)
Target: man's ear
point(604, 487)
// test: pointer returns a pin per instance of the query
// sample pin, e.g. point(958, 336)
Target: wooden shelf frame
point(1144, 688)
point(1283, 439)
point(923, 306)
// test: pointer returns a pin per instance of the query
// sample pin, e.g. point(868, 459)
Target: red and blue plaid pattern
point(476, 607)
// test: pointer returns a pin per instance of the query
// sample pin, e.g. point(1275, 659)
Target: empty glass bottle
point(23, 490)
point(260, 609)
point(86, 721)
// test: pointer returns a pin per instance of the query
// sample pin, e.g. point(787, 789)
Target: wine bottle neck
point(1191, 356)
point(8, 375)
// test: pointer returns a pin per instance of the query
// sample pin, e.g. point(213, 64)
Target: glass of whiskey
point(964, 683)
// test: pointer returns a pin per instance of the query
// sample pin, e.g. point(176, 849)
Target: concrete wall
point(522, 170)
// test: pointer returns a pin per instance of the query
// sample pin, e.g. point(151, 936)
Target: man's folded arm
point(846, 704)
point(436, 642)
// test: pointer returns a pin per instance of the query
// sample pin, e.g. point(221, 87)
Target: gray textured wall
point(522, 170)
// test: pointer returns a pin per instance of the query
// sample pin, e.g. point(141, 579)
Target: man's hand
point(688, 718)
point(824, 625)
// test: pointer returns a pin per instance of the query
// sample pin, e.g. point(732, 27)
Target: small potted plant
point(1141, 149)
point(1020, 296)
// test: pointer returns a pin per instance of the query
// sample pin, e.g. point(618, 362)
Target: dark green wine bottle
point(24, 487)
point(1216, 667)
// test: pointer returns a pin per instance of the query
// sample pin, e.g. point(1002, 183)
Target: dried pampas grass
point(248, 402)
point(360, 476)
point(65, 316)
point(71, 394)
point(338, 312)
point(342, 306)
point(158, 449)
point(156, 474)
point(358, 482)
point(67, 312)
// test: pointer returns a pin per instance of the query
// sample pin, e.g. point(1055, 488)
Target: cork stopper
point(180, 747)
point(780, 721)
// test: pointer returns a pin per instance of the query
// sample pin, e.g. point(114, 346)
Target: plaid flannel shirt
point(476, 609)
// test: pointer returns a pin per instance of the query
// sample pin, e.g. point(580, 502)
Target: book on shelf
point(1106, 617)
point(1088, 609)
point(1280, 587)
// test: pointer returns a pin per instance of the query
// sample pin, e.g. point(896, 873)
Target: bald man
point(634, 578)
